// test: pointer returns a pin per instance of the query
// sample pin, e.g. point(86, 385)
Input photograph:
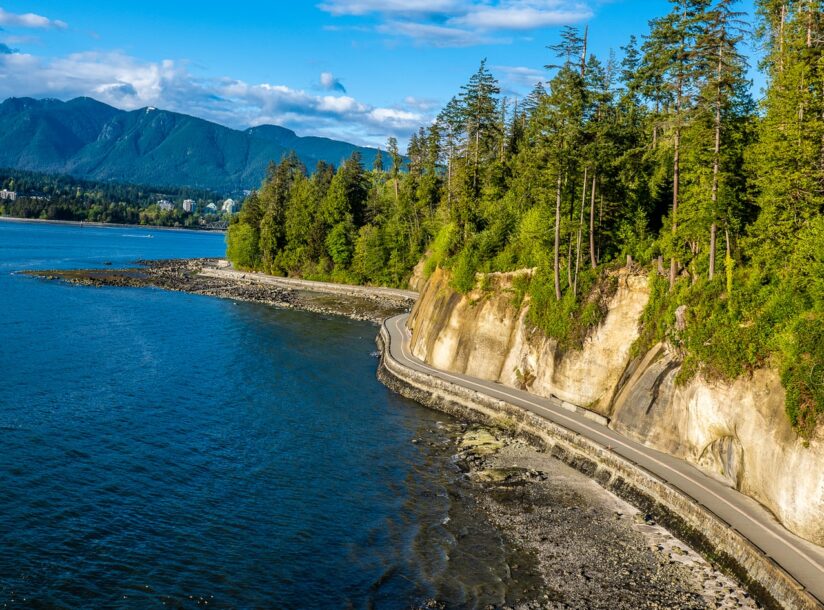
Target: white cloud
point(435, 35)
point(29, 20)
point(130, 83)
point(424, 105)
point(331, 83)
point(520, 76)
point(364, 7)
point(452, 23)
point(528, 15)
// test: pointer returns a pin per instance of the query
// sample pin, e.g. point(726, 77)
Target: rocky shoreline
point(184, 275)
point(592, 549)
point(574, 545)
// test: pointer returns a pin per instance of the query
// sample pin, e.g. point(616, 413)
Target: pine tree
point(789, 157)
point(395, 168)
point(671, 52)
point(558, 122)
point(479, 111)
point(723, 94)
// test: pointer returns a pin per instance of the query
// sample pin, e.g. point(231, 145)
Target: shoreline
point(684, 517)
point(84, 223)
point(212, 277)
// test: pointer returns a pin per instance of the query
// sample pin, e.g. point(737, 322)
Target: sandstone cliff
point(736, 430)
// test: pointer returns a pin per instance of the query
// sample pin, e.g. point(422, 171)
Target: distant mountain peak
point(89, 139)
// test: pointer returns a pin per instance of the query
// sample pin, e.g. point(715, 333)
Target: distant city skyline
point(357, 70)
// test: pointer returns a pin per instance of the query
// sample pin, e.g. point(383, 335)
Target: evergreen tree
point(479, 112)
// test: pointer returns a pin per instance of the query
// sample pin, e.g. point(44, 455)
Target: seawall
point(736, 431)
point(705, 531)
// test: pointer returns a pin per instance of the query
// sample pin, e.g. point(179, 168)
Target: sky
point(357, 70)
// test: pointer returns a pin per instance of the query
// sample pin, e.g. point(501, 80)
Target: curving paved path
point(803, 560)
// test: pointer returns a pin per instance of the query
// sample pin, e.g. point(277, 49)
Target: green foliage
point(339, 244)
point(441, 247)
point(370, 254)
point(802, 371)
point(663, 160)
point(764, 323)
point(242, 245)
point(570, 320)
point(465, 270)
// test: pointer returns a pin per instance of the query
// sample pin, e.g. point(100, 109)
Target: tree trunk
point(592, 260)
point(449, 178)
point(781, 38)
point(600, 224)
point(569, 233)
point(558, 238)
point(477, 158)
point(676, 168)
point(676, 176)
point(716, 163)
point(655, 125)
point(809, 25)
point(580, 231)
point(728, 266)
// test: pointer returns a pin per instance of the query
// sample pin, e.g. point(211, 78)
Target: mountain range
point(92, 140)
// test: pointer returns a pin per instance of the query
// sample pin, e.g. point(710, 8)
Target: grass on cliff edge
point(765, 322)
point(727, 334)
point(568, 321)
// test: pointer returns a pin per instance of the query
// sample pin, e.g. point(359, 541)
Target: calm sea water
point(162, 449)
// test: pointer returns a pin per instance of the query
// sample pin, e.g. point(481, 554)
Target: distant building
point(165, 205)
point(211, 208)
point(229, 206)
point(9, 195)
point(189, 205)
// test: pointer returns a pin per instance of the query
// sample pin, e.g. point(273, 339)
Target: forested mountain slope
point(88, 139)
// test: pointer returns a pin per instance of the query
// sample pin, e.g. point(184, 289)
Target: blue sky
point(359, 70)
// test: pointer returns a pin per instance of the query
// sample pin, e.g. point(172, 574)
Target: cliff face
point(736, 430)
point(485, 334)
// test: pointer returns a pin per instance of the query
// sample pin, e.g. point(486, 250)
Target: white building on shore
point(165, 205)
point(8, 195)
point(189, 205)
point(229, 206)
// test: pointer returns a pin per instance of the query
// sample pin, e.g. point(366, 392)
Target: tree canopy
point(661, 160)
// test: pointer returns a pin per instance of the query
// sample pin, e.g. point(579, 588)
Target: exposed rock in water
point(184, 275)
point(592, 549)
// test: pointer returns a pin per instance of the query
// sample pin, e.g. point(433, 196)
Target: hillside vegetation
point(662, 158)
point(57, 197)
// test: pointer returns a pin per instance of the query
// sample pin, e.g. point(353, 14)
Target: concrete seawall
point(682, 515)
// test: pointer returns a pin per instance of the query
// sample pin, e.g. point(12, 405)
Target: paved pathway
point(299, 284)
point(800, 558)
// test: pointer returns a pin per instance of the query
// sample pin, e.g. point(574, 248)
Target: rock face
point(736, 431)
point(485, 334)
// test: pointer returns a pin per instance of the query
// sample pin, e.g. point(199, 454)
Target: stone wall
point(773, 587)
point(736, 431)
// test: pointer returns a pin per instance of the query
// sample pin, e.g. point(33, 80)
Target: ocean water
point(162, 449)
